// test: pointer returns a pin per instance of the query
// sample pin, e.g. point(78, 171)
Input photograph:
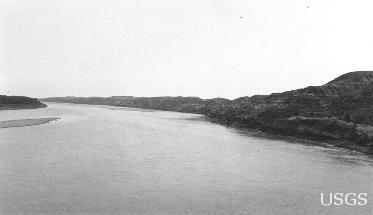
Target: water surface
point(108, 160)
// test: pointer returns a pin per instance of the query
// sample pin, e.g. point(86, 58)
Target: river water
point(110, 160)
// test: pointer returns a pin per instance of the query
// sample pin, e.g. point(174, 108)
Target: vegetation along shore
point(19, 102)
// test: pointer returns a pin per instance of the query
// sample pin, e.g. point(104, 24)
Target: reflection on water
point(334, 154)
point(109, 160)
point(345, 157)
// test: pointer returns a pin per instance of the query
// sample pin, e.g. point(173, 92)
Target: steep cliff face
point(340, 111)
point(19, 102)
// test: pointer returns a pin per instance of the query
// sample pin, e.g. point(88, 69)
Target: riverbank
point(303, 138)
point(26, 122)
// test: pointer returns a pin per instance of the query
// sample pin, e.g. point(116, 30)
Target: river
point(112, 160)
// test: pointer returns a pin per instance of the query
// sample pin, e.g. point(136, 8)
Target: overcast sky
point(205, 48)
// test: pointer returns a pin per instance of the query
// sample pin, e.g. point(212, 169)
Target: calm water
point(106, 160)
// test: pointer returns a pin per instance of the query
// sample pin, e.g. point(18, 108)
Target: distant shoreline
point(26, 122)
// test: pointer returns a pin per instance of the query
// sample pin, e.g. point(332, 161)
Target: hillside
point(19, 102)
point(339, 112)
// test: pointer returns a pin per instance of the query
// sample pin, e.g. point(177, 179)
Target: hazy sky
point(205, 48)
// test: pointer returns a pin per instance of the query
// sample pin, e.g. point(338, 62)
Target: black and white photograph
point(186, 107)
